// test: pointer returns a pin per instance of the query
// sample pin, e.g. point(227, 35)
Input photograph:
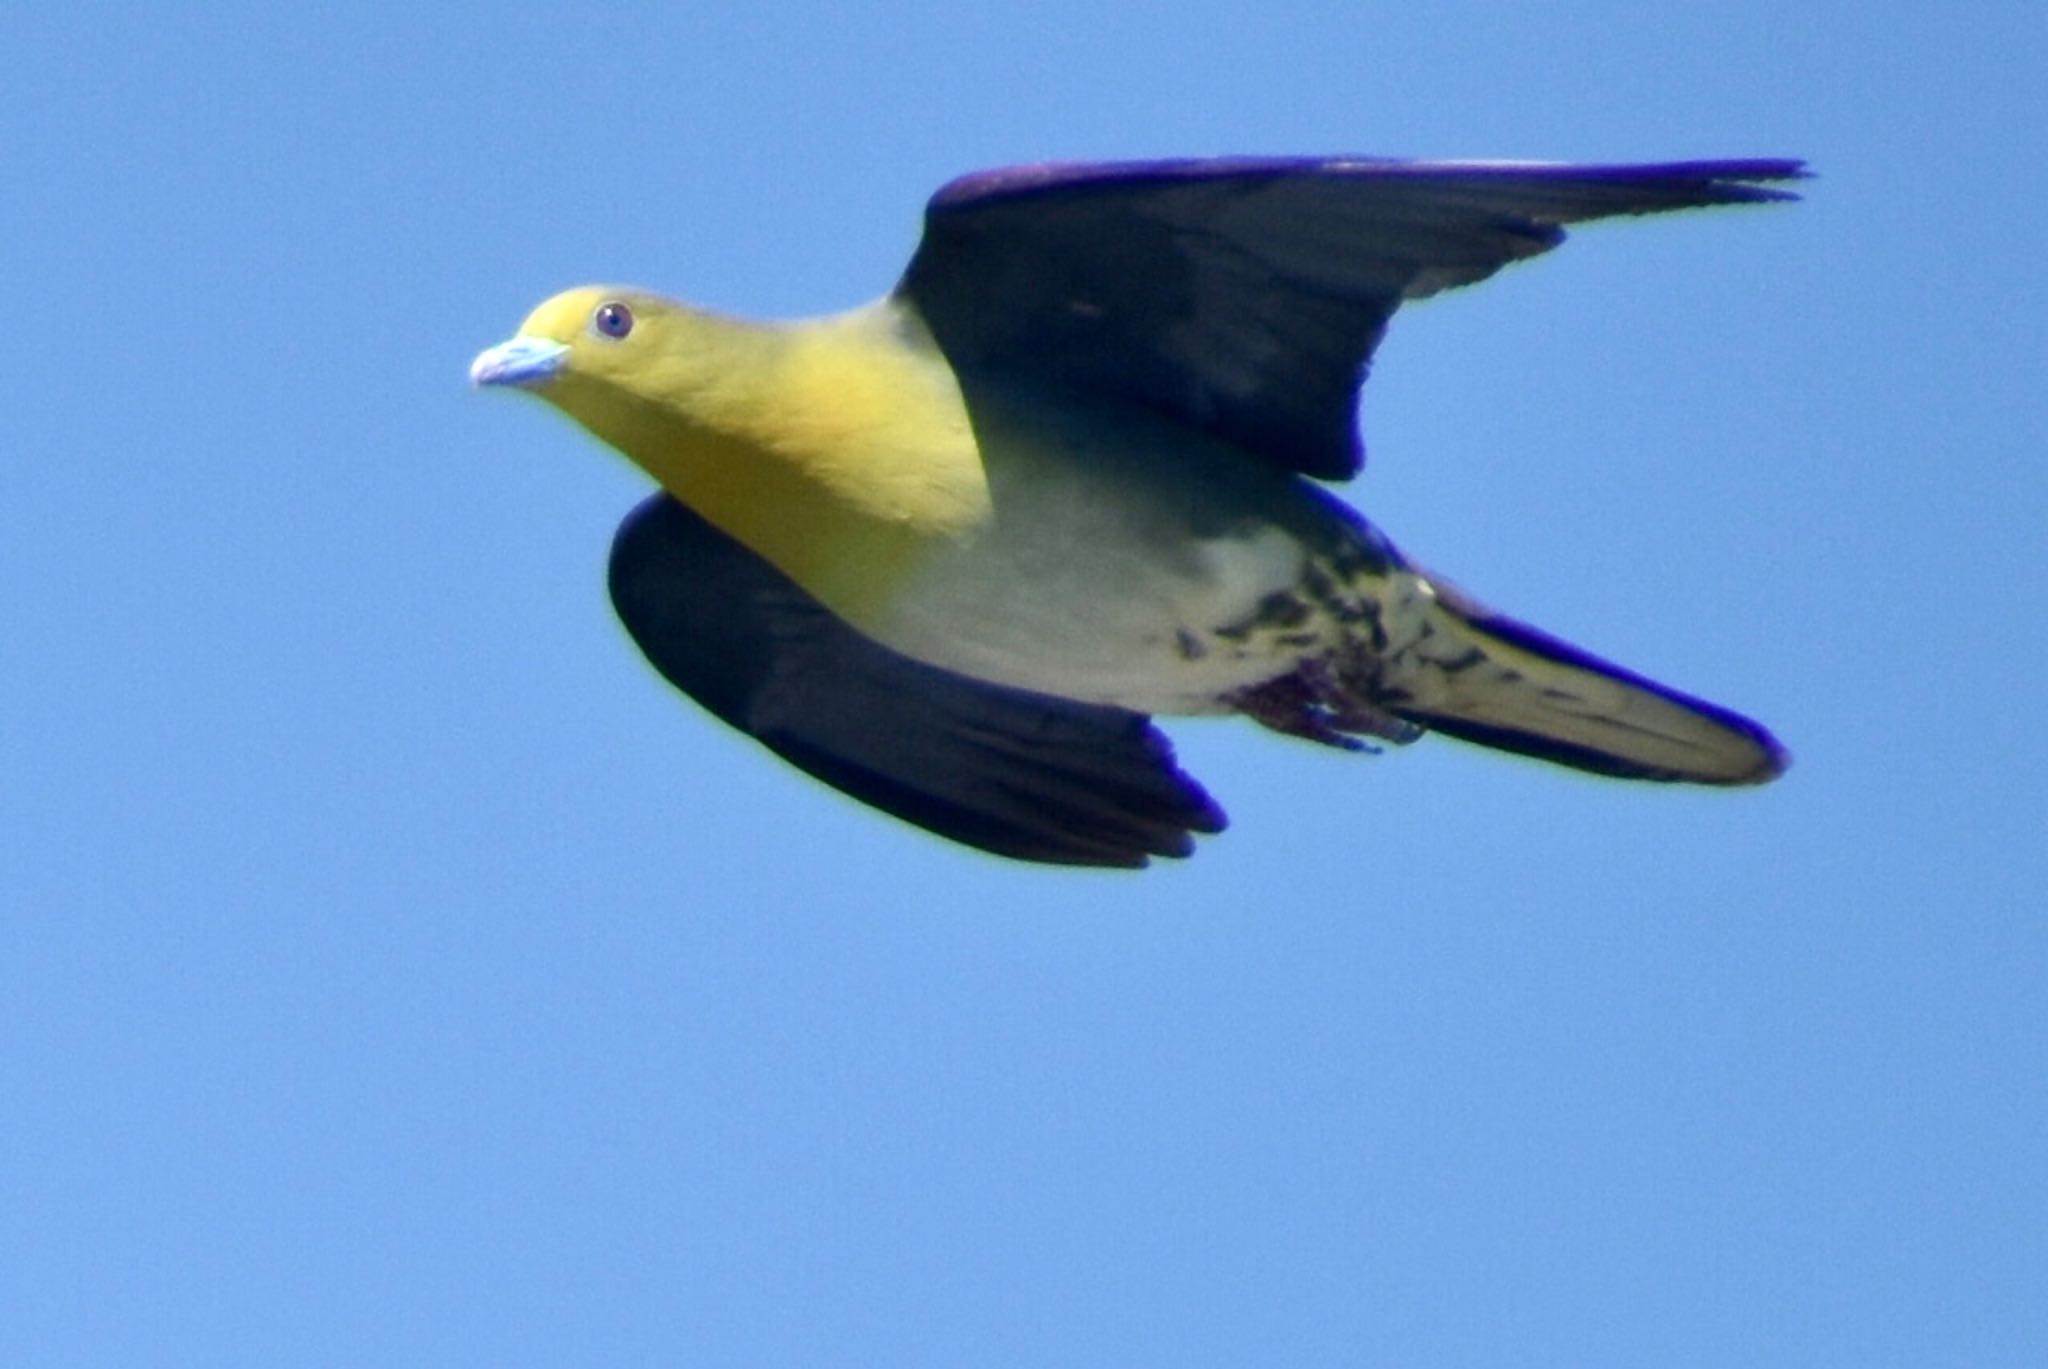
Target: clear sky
point(393, 971)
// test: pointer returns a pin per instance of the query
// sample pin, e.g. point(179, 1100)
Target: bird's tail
point(1483, 677)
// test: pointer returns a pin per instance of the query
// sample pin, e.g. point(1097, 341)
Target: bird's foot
point(1318, 704)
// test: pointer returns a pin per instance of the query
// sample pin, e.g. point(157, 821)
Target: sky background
point(393, 971)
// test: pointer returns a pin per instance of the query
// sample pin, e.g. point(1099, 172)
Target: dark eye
point(613, 319)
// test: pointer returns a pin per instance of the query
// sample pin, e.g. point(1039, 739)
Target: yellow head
point(834, 447)
point(631, 366)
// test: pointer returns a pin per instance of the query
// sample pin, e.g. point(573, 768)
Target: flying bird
point(950, 551)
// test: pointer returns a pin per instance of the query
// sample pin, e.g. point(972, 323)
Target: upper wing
point(1012, 772)
point(1246, 296)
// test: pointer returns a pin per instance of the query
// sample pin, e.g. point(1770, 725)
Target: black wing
point(1016, 773)
point(1246, 296)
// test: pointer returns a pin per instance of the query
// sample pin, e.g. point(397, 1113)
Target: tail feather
point(1483, 677)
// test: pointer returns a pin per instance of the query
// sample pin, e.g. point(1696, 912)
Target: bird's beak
point(527, 362)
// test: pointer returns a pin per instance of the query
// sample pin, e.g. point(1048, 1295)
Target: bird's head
point(591, 339)
point(635, 368)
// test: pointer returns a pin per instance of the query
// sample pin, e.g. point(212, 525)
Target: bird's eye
point(613, 319)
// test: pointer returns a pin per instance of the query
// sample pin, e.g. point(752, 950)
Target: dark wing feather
point(1246, 296)
point(1016, 773)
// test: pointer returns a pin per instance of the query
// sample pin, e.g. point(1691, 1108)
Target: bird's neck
point(839, 449)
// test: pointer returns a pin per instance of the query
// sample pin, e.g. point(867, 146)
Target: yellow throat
point(838, 448)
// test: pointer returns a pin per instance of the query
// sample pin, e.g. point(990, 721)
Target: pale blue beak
point(524, 361)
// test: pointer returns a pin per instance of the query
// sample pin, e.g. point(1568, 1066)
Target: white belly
point(1120, 563)
point(1103, 622)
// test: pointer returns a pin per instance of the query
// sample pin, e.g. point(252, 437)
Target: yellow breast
point(838, 448)
point(866, 405)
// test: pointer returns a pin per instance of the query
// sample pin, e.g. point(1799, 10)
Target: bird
point(952, 551)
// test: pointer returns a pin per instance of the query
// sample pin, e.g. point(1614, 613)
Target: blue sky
point(393, 971)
